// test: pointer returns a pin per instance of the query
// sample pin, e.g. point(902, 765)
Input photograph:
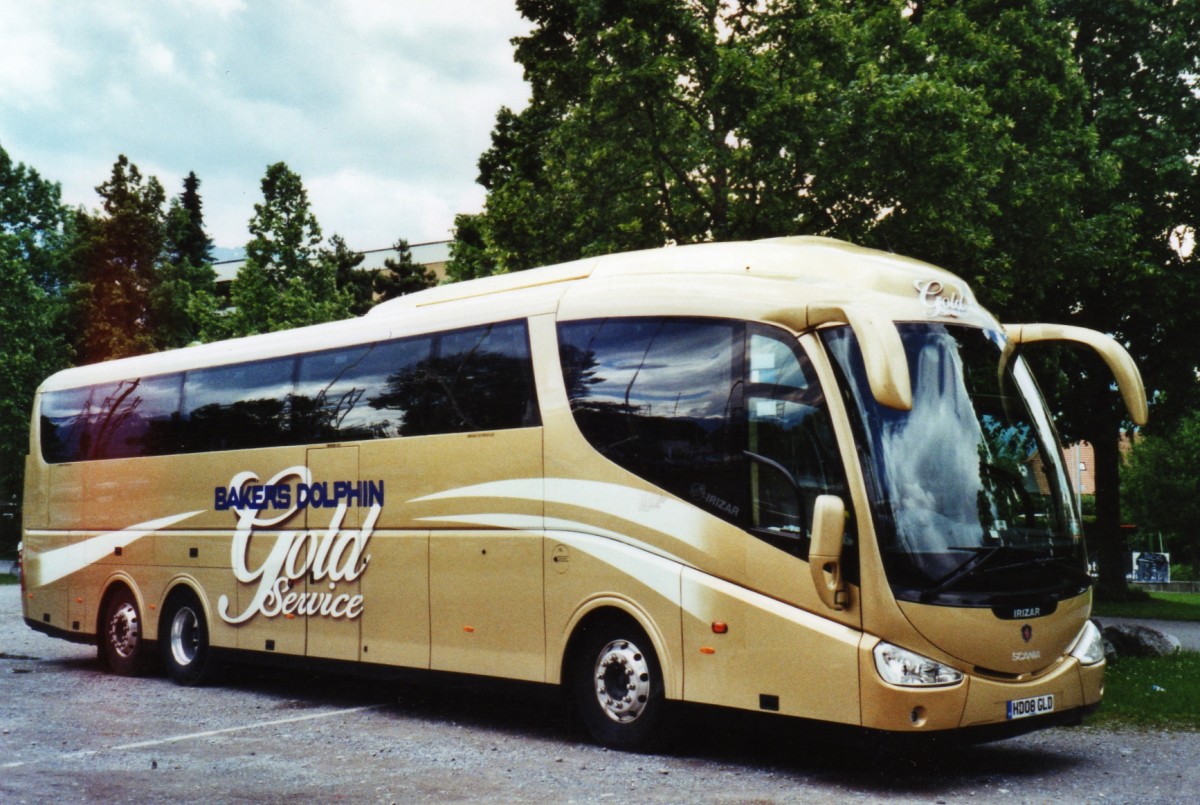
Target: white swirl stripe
point(667, 516)
point(50, 566)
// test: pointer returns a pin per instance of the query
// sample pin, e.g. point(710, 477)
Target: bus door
point(486, 609)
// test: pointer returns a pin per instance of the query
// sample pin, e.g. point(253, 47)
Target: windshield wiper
point(1076, 573)
point(982, 555)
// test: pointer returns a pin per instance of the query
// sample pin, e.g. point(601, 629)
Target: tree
point(1044, 151)
point(1161, 487)
point(469, 250)
point(402, 275)
point(32, 230)
point(116, 258)
point(1141, 63)
point(284, 283)
point(184, 299)
point(350, 278)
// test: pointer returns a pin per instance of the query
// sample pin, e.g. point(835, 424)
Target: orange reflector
point(720, 627)
point(154, 606)
point(707, 650)
point(291, 616)
point(468, 629)
point(78, 600)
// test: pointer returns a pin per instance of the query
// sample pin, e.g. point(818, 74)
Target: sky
point(382, 106)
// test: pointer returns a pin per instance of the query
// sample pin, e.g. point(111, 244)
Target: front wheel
point(183, 640)
point(618, 687)
point(122, 647)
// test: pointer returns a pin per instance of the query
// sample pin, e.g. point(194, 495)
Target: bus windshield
point(969, 490)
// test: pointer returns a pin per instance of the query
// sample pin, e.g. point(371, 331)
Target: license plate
point(1033, 706)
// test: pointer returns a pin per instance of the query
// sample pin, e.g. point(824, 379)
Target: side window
point(789, 428)
point(137, 418)
point(363, 392)
point(239, 406)
point(64, 420)
point(661, 397)
point(127, 419)
point(479, 379)
point(726, 415)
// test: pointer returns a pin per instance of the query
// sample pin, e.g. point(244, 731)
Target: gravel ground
point(71, 733)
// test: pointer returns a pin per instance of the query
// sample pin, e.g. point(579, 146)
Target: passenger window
point(358, 393)
point(64, 416)
point(480, 379)
point(137, 418)
point(127, 419)
point(662, 398)
point(239, 406)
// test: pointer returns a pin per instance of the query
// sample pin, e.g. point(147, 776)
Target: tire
point(183, 640)
point(617, 686)
point(122, 642)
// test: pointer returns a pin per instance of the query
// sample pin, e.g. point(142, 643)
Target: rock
point(1136, 640)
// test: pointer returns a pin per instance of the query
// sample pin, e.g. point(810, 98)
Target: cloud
point(383, 108)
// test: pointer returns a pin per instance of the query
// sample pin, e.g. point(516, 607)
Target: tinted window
point(727, 415)
point(120, 420)
point(343, 395)
point(64, 424)
point(238, 406)
point(662, 397)
point(479, 378)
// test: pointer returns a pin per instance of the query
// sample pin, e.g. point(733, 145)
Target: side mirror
point(825, 552)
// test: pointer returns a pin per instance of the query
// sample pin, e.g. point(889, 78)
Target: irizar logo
point(701, 494)
point(331, 554)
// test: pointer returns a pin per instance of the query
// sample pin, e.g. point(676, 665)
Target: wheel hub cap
point(622, 681)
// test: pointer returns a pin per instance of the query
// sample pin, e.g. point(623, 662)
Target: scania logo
point(1027, 633)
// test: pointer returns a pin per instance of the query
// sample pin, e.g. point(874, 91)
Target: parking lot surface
point(69, 732)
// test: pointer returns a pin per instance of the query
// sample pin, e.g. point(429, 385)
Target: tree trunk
point(1108, 539)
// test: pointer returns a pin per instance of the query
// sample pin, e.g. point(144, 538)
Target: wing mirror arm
point(1129, 379)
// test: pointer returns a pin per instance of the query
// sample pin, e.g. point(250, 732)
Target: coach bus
point(793, 476)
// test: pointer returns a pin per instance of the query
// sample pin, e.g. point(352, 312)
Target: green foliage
point(401, 275)
point(116, 254)
point(348, 276)
point(184, 298)
point(1045, 151)
point(1152, 692)
point(285, 282)
point(32, 228)
point(1160, 487)
point(468, 251)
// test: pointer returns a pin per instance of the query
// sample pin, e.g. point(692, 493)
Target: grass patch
point(7, 579)
point(1160, 606)
point(1152, 692)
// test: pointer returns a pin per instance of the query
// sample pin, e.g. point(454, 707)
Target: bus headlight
point(902, 667)
point(1089, 646)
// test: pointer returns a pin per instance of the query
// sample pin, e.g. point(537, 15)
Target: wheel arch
point(611, 609)
point(182, 585)
point(114, 583)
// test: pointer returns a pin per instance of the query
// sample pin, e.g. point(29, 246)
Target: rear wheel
point(618, 686)
point(122, 647)
point(183, 640)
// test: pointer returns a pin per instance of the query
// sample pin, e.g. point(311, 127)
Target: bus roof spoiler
point(1129, 379)
point(882, 351)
